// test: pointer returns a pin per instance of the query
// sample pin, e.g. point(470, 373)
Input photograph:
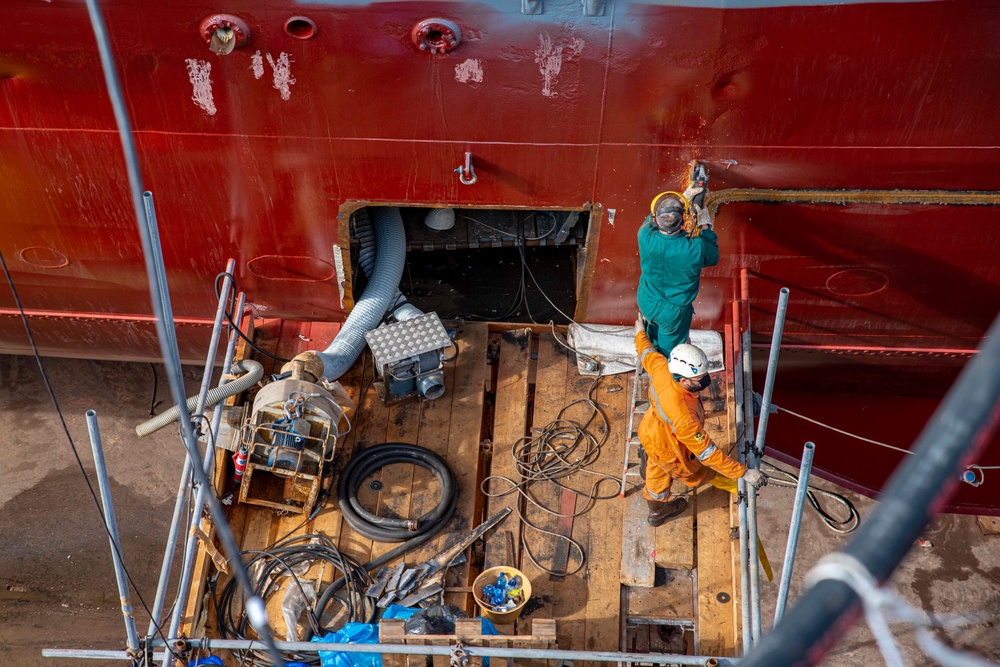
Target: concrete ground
point(956, 571)
point(57, 585)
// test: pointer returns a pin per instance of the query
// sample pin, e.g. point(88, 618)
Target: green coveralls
point(671, 269)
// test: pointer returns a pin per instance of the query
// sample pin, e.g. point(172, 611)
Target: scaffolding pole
point(745, 416)
point(805, 469)
point(160, 297)
point(404, 649)
point(745, 453)
point(185, 483)
point(754, 459)
point(199, 504)
point(111, 523)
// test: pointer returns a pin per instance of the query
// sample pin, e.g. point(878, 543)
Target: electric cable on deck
point(562, 448)
point(279, 560)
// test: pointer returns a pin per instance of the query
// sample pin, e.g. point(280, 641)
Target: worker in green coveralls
point(671, 259)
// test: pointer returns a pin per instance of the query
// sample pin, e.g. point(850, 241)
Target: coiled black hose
point(384, 529)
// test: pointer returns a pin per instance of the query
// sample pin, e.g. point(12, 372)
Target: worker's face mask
point(692, 385)
point(669, 219)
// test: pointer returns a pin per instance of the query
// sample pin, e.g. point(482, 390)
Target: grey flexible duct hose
point(366, 241)
point(252, 373)
point(401, 308)
point(382, 287)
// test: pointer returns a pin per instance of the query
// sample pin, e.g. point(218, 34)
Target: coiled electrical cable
point(385, 529)
point(779, 477)
point(562, 449)
point(269, 567)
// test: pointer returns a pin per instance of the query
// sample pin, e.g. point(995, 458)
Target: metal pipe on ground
point(805, 469)
point(190, 549)
point(959, 430)
point(111, 523)
point(759, 440)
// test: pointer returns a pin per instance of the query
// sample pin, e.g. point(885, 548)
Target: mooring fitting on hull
point(436, 35)
point(466, 173)
point(224, 33)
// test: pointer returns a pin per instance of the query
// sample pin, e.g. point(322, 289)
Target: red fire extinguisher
point(240, 461)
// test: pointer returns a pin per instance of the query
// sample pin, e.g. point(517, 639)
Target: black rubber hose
point(387, 557)
point(960, 429)
point(385, 529)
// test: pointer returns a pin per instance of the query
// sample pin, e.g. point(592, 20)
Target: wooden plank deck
point(526, 395)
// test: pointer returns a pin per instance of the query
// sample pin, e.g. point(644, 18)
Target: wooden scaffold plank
point(510, 424)
point(550, 397)
point(468, 391)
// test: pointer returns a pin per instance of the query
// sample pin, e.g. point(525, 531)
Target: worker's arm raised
point(651, 360)
point(709, 247)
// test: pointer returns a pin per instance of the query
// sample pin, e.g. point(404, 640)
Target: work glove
point(704, 217)
point(755, 478)
point(691, 191)
point(639, 328)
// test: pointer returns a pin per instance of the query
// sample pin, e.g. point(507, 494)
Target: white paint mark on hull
point(550, 59)
point(283, 78)
point(257, 65)
point(199, 73)
point(469, 71)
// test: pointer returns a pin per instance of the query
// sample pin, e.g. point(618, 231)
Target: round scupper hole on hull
point(300, 27)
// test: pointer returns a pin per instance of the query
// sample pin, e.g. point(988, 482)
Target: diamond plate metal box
point(402, 340)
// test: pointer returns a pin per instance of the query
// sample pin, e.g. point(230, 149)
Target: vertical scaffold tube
point(741, 486)
point(199, 504)
point(160, 296)
point(793, 529)
point(182, 490)
point(111, 523)
point(772, 369)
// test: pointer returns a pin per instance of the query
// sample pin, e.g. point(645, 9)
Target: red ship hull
point(263, 158)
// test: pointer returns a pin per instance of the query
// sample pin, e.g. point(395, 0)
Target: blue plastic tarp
point(367, 633)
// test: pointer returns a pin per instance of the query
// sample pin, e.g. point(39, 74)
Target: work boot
point(660, 511)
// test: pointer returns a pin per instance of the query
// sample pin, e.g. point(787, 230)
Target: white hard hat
point(688, 361)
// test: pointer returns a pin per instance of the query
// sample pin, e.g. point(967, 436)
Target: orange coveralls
point(673, 432)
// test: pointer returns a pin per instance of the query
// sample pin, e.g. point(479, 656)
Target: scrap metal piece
point(407, 581)
point(397, 572)
point(421, 595)
point(380, 583)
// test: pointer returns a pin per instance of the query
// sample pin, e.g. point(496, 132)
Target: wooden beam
point(468, 392)
point(510, 424)
point(550, 397)
point(603, 607)
point(716, 627)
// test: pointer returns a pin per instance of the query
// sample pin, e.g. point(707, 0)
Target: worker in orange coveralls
point(672, 432)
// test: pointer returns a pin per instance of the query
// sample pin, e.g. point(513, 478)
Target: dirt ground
point(57, 586)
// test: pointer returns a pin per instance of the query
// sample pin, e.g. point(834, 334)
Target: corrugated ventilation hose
point(383, 286)
point(252, 373)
